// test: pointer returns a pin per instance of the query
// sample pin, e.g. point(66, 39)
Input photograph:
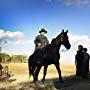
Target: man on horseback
point(41, 40)
point(48, 55)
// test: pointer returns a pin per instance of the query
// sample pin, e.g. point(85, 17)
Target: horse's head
point(63, 37)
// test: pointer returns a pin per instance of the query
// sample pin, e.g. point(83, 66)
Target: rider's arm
point(37, 40)
point(47, 41)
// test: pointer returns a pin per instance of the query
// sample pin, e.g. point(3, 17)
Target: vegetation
point(4, 57)
point(19, 58)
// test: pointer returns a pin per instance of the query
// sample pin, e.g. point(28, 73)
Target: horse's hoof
point(61, 81)
point(42, 81)
point(34, 81)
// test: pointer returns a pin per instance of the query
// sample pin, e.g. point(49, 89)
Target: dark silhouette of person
point(41, 40)
point(85, 64)
point(1, 67)
point(79, 60)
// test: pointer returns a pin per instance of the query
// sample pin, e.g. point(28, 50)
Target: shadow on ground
point(73, 83)
point(70, 83)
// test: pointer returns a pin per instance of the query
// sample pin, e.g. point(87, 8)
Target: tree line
point(4, 57)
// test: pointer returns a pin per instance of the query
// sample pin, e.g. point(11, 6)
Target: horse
point(48, 55)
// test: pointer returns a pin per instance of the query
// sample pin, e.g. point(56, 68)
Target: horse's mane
point(55, 40)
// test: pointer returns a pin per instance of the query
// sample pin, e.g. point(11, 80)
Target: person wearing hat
point(41, 40)
point(85, 65)
point(79, 60)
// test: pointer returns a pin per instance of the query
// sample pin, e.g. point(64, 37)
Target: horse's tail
point(29, 67)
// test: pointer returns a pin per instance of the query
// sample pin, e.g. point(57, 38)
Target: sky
point(20, 21)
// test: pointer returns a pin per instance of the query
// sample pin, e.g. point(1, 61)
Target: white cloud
point(77, 2)
point(19, 42)
point(14, 38)
point(8, 37)
point(23, 42)
point(80, 39)
point(31, 42)
point(1, 33)
point(9, 34)
point(72, 2)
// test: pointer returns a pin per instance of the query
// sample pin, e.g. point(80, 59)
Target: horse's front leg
point(59, 71)
point(45, 72)
point(36, 73)
point(33, 71)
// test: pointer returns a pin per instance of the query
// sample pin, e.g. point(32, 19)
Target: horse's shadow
point(69, 81)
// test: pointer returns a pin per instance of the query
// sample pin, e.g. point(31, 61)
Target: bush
point(4, 57)
point(19, 58)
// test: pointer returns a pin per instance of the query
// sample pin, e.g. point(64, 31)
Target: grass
point(20, 80)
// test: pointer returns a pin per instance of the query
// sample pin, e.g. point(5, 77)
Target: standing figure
point(41, 40)
point(78, 60)
point(85, 65)
point(1, 69)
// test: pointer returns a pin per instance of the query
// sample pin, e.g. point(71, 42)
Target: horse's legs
point(45, 72)
point(59, 71)
point(33, 71)
point(36, 73)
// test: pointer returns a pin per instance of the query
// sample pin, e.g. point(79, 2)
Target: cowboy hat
point(42, 30)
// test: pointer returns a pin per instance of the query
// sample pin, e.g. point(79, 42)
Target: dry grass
point(20, 80)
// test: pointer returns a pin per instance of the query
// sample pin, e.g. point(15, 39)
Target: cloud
point(1, 33)
point(76, 40)
point(72, 2)
point(54, 0)
point(80, 39)
point(18, 43)
point(8, 37)
point(23, 42)
point(31, 42)
point(12, 35)
point(77, 2)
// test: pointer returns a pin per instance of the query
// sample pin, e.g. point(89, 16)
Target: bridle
point(62, 39)
point(63, 50)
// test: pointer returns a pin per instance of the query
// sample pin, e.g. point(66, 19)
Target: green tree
point(4, 57)
point(18, 58)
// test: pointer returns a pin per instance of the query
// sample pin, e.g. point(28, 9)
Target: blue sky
point(29, 16)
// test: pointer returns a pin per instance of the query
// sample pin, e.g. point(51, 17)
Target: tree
point(18, 58)
point(4, 57)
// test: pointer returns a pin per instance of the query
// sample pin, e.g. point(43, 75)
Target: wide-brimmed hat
point(42, 30)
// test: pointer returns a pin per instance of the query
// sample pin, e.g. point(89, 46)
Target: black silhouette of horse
point(48, 55)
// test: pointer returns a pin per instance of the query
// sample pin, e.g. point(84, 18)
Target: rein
point(63, 50)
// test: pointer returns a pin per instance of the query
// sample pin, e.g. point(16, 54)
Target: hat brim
point(42, 31)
